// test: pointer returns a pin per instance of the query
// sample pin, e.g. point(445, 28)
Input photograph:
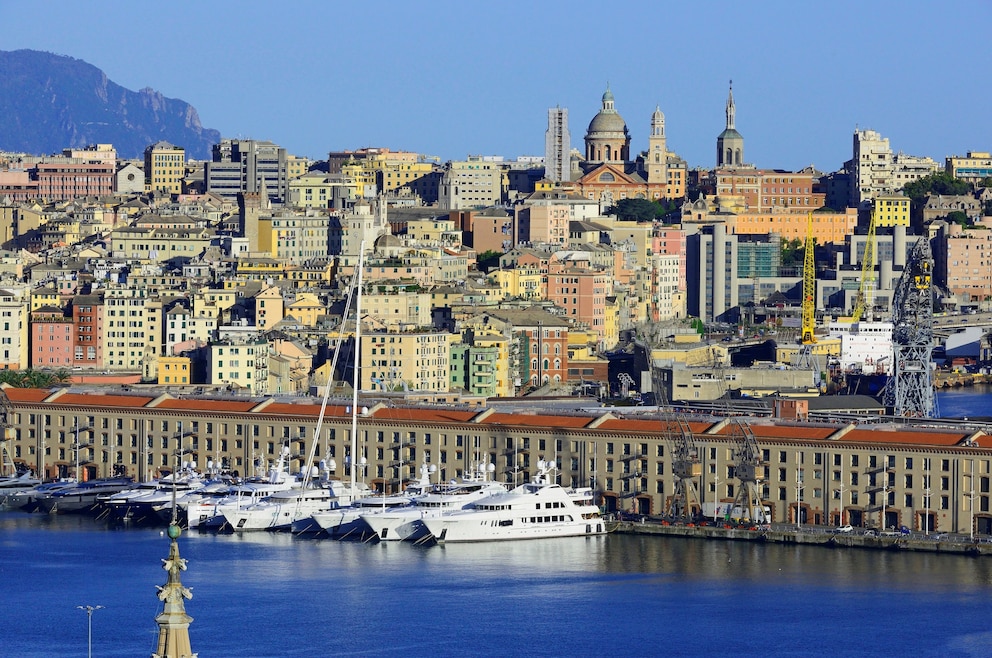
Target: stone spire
point(173, 622)
point(731, 108)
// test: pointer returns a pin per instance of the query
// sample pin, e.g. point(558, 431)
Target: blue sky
point(477, 77)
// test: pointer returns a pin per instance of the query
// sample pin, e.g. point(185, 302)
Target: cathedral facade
point(607, 173)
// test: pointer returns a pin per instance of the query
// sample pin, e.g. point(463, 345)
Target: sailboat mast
point(355, 379)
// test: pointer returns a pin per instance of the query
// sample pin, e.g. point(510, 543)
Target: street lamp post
point(89, 626)
point(77, 428)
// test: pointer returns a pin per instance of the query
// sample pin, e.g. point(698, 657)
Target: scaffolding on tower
point(909, 391)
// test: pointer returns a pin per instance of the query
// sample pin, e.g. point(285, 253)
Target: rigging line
point(328, 386)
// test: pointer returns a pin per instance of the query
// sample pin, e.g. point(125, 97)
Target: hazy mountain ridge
point(50, 102)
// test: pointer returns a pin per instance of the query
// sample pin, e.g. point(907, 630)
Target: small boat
point(538, 509)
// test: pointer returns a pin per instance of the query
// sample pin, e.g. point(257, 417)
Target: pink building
point(968, 264)
point(17, 184)
point(582, 292)
point(51, 338)
point(64, 180)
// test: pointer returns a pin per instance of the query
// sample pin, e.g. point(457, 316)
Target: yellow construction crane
point(863, 300)
point(809, 287)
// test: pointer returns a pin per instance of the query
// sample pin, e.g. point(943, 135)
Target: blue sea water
point(965, 402)
point(266, 594)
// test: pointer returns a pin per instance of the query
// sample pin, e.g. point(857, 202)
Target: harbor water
point(267, 594)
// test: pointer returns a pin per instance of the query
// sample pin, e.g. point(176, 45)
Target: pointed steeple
point(173, 622)
point(731, 108)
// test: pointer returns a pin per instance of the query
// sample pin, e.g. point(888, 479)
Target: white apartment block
point(471, 184)
point(875, 170)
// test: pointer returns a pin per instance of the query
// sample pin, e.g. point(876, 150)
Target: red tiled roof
point(230, 406)
point(426, 415)
point(27, 394)
point(651, 426)
point(877, 435)
point(97, 400)
point(787, 431)
point(537, 420)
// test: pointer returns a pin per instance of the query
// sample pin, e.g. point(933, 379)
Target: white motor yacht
point(83, 496)
point(279, 510)
point(27, 500)
point(407, 524)
point(345, 521)
point(540, 508)
point(12, 484)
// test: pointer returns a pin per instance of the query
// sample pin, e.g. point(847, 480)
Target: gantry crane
point(686, 466)
point(909, 391)
point(863, 302)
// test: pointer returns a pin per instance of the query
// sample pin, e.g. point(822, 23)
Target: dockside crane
point(863, 302)
point(909, 391)
point(686, 465)
point(747, 465)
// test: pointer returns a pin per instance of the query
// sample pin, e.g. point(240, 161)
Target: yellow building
point(363, 176)
point(240, 365)
point(399, 311)
point(174, 370)
point(296, 166)
point(160, 244)
point(974, 167)
point(434, 231)
point(45, 297)
point(518, 282)
point(414, 361)
point(292, 237)
point(165, 168)
point(891, 210)
point(307, 308)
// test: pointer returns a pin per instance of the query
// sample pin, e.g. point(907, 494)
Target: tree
point(489, 259)
point(958, 217)
point(792, 252)
point(938, 183)
point(638, 210)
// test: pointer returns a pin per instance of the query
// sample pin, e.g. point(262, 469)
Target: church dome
point(608, 120)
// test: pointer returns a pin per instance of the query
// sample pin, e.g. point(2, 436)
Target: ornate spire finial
point(173, 622)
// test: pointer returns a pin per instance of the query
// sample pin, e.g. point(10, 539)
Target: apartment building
point(418, 361)
point(471, 184)
point(973, 167)
point(165, 168)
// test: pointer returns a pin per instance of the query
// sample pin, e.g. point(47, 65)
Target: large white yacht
point(209, 509)
point(407, 524)
point(12, 484)
point(345, 521)
point(278, 511)
point(540, 508)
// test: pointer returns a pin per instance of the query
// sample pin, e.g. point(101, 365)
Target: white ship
point(538, 509)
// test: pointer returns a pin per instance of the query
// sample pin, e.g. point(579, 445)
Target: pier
point(812, 535)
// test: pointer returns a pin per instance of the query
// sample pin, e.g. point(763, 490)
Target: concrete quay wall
point(818, 537)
